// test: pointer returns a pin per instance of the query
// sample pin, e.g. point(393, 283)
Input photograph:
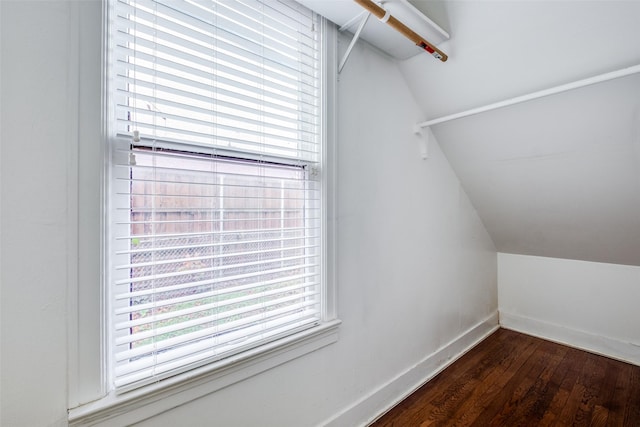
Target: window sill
point(140, 404)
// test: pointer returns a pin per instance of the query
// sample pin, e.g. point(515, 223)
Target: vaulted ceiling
point(558, 176)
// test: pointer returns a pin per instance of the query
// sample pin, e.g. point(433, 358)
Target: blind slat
point(130, 309)
point(180, 273)
point(218, 233)
point(157, 317)
point(213, 331)
point(198, 26)
point(214, 257)
point(215, 206)
point(227, 87)
point(174, 47)
point(177, 71)
point(282, 140)
point(224, 141)
point(161, 157)
point(288, 185)
point(282, 116)
point(202, 352)
point(260, 302)
point(233, 99)
point(211, 245)
point(145, 66)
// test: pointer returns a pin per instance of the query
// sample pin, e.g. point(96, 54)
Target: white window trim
point(89, 400)
point(147, 401)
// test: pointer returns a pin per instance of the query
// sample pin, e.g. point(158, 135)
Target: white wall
point(559, 176)
point(567, 189)
point(416, 268)
point(500, 49)
point(36, 164)
point(583, 304)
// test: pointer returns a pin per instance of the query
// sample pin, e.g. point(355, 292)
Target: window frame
point(90, 399)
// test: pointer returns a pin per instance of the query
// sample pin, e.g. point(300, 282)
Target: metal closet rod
point(384, 16)
point(535, 95)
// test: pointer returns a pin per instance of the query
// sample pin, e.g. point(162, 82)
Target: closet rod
point(535, 95)
point(389, 19)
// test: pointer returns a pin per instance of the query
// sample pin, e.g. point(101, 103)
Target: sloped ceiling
point(558, 176)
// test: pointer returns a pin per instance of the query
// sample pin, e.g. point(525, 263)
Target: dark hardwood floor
point(512, 379)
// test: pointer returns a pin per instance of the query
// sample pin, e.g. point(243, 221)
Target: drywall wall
point(556, 177)
point(35, 137)
point(500, 49)
point(559, 176)
point(416, 268)
point(583, 304)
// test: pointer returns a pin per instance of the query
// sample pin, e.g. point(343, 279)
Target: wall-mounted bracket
point(423, 135)
point(356, 36)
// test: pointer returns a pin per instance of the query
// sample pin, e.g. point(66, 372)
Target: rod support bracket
point(356, 36)
point(423, 136)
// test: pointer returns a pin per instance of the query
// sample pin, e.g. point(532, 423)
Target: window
point(217, 198)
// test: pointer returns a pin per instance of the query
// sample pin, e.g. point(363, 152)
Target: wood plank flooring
point(512, 379)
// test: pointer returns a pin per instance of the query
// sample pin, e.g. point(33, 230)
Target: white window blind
point(216, 216)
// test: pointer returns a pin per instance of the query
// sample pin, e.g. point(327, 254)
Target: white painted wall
point(556, 177)
point(500, 49)
point(35, 136)
point(583, 304)
point(416, 268)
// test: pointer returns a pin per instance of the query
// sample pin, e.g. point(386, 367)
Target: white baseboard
point(381, 400)
point(609, 347)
